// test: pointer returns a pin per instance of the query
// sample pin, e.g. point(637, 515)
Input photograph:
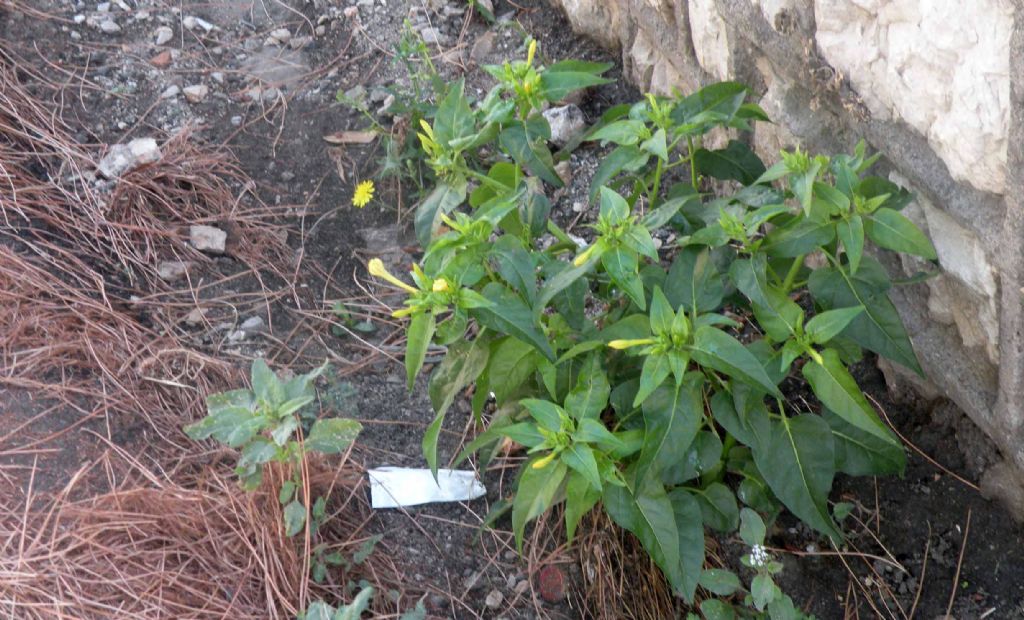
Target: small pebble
point(494, 599)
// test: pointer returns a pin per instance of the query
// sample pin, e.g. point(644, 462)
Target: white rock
point(195, 317)
point(217, 76)
point(171, 270)
point(122, 158)
point(278, 37)
point(109, 26)
point(78, 19)
point(103, 7)
point(253, 324)
point(710, 41)
point(236, 120)
point(164, 34)
point(196, 92)
point(207, 238)
point(566, 123)
point(76, 36)
point(170, 92)
point(192, 22)
point(494, 599)
point(943, 69)
point(433, 36)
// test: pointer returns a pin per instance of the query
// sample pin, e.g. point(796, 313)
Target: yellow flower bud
point(440, 286)
point(402, 312)
point(627, 344)
point(531, 51)
point(544, 462)
point(585, 256)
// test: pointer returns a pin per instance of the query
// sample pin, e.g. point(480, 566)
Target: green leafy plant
point(648, 378)
point(272, 423)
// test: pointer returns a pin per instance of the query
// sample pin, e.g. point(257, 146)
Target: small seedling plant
point(646, 378)
point(273, 423)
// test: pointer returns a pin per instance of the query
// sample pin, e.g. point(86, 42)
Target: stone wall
point(937, 87)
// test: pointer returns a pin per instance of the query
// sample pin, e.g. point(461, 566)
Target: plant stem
point(693, 167)
point(794, 269)
point(657, 183)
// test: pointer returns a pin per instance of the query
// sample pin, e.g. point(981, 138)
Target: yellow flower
point(531, 51)
point(440, 285)
point(363, 194)
point(377, 269)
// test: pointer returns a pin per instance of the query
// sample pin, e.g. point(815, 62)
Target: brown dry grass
point(86, 323)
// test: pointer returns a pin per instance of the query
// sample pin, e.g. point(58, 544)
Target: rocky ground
point(261, 78)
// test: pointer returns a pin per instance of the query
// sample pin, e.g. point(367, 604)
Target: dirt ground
point(269, 97)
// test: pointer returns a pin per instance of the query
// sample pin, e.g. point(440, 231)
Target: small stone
point(522, 587)
point(171, 270)
point(195, 317)
point(76, 36)
point(192, 22)
point(161, 60)
point(351, 12)
point(208, 238)
point(482, 47)
point(252, 324)
point(564, 171)
point(103, 7)
point(124, 157)
point(217, 76)
point(78, 19)
point(432, 36)
point(287, 175)
point(170, 92)
point(196, 92)
point(163, 35)
point(109, 26)
point(321, 31)
point(271, 94)
point(236, 121)
point(566, 123)
point(278, 37)
point(494, 599)
point(579, 206)
point(473, 580)
point(297, 43)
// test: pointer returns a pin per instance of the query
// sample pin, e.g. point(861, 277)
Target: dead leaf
point(350, 137)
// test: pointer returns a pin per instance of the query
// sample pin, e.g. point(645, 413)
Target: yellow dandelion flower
point(363, 194)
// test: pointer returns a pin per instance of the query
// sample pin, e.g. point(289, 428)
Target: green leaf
point(282, 433)
point(893, 231)
point(526, 142)
point(879, 327)
point(516, 265)
point(514, 362)
point(703, 456)
point(752, 529)
point(580, 498)
point(690, 526)
point(714, 609)
point(442, 199)
point(662, 315)
point(656, 369)
point(593, 431)
point(715, 349)
point(838, 391)
point(536, 491)
point(461, 366)
point(714, 104)
point(419, 335)
point(265, 383)
point(851, 233)
point(748, 427)
point(548, 414)
point(294, 518)
point(579, 457)
point(827, 325)
point(650, 516)
point(257, 452)
point(562, 78)
point(660, 215)
point(797, 460)
point(693, 281)
point(453, 119)
point(735, 162)
point(621, 265)
point(625, 132)
point(800, 238)
point(332, 435)
point(763, 590)
point(859, 453)
point(622, 158)
point(559, 282)
point(718, 505)
point(510, 315)
point(672, 417)
point(656, 145)
point(898, 197)
point(720, 581)
point(355, 609)
point(590, 396)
